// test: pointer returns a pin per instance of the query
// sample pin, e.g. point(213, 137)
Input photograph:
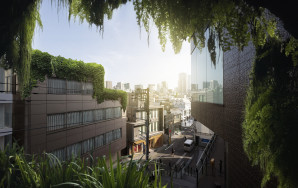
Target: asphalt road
point(180, 157)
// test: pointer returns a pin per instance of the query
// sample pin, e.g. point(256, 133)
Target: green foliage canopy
point(44, 64)
point(228, 22)
point(271, 108)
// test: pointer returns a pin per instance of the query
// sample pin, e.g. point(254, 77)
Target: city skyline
point(130, 59)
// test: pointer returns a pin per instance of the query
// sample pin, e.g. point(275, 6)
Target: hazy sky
point(123, 50)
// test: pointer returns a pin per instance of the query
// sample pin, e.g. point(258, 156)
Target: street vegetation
point(46, 170)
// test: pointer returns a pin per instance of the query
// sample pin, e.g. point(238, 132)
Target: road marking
point(180, 159)
point(169, 146)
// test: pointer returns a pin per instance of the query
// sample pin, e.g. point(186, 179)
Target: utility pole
point(147, 124)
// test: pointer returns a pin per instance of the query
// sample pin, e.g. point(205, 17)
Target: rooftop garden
point(45, 65)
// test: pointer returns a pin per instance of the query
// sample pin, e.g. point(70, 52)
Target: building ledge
point(5, 131)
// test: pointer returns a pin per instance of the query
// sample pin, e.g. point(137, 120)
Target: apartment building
point(136, 126)
point(61, 117)
point(5, 108)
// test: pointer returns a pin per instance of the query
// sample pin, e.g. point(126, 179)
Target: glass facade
point(206, 79)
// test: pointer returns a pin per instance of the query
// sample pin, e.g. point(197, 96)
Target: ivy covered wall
point(44, 64)
point(271, 108)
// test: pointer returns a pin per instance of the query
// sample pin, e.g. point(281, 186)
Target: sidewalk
point(210, 180)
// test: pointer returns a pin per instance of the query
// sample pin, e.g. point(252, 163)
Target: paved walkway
point(217, 178)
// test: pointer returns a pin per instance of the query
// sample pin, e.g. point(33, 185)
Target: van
point(188, 145)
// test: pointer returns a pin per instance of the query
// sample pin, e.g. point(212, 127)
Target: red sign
point(170, 131)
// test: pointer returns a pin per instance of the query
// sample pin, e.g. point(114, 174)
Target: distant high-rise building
point(126, 86)
point(151, 87)
point(182, 82)
point(164, 88)
point(139, 86)
point(164, 84)
point(206, 85)
point(158, 88)
point(109, 85)
point(188, 85)
point(213, 84)
point(120, 86)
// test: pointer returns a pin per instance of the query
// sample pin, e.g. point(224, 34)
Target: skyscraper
point(120, 86)
point(109, 85)
point(139, 86)
point(182, 82)
point(126, 86)
point(151, 87)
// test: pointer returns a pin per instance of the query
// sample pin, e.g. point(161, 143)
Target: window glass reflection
point(206, 79)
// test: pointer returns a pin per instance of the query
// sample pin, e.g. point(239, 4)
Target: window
point(99, 141)
point(74, 87)
point(98, 115)
point(109, 113)
point(5, 115)
point(109, 137)
point(74, 118)
point(118, 112)
point(74, 150)
point(87, 88)
point(60, 154)
point(88, 145)
point(206, 79)
point(56, 86)
point(56, 121)
point(88, 116)
point(119, 133)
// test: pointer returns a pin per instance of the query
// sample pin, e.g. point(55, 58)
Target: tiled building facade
point(61, 117)
point(225, 118)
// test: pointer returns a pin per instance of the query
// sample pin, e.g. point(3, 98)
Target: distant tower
point(126, 86)
point(109, 85)
point(120, 86)
point(182, 82)
point(139, 86)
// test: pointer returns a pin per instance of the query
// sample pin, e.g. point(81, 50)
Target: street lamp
point(143, 95)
